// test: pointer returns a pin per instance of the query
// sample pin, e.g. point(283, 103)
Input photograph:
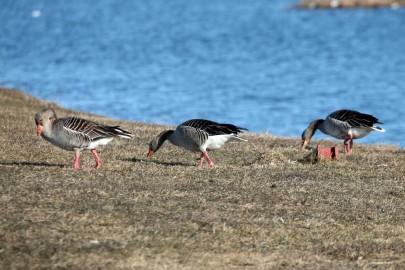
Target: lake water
point(257, 64)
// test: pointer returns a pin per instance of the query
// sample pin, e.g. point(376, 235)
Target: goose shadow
point(28, 163)
point(141, 160)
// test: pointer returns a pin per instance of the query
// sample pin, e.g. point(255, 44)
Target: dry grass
point(258, 209)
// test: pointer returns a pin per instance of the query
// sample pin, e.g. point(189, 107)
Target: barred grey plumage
point(198, 135)
point(76, 134)
point(343, 124)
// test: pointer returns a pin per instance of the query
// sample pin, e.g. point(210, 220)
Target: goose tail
point(376, 128)
point(235, 137)
point(122, 133)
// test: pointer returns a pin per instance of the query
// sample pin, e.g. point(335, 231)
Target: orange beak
point(39, 129)
point(150, 152)
point(304, 144)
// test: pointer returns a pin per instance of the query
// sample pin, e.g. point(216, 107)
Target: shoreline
point(53, 104)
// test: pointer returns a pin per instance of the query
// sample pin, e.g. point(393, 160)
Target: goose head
point(158, 141)
point(309, 132)
point(43, 118)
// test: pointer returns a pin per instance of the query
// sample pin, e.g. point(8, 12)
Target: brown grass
point(259, 209)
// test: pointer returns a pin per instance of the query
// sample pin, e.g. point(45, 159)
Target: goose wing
point(212, 128)
point(88, 131)
point(354, 118)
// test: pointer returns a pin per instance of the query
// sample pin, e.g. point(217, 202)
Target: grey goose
point(76, 134)
point(198, 135)
point(343, 124)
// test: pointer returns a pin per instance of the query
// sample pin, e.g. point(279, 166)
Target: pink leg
point(77, 156)
point(348, 144)
point(351, 145)
point(98, 160)
point(345, 146)
point(201, 159)
point(210, 162)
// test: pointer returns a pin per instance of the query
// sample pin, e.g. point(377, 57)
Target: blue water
point(258, 64)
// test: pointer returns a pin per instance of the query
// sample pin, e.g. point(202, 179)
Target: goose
point(198, 135)
point(76, 134)
point(343, 124)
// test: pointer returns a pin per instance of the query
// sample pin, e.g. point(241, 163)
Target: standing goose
point(343, 124)
point(76, 134)
point(198, 135)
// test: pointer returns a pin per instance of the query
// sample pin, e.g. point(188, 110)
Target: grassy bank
point(258, 209)
point(350, 3)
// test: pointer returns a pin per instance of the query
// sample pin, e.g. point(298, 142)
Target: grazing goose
point(343, 124)
point(76, 134)
point(198, 135)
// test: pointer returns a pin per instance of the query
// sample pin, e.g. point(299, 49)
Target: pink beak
point(39, 129)
point(304, 144)
point(150, 152)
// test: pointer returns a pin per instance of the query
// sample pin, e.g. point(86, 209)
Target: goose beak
point(150, 152)
point(304, 144)
point(39, 129)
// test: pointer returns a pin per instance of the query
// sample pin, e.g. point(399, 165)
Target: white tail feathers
point(378, 129)
point(126, 136)
point(237, 138)
point(123, 134)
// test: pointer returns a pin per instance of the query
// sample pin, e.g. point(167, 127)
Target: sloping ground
point(260, 208)
point(350, 3)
